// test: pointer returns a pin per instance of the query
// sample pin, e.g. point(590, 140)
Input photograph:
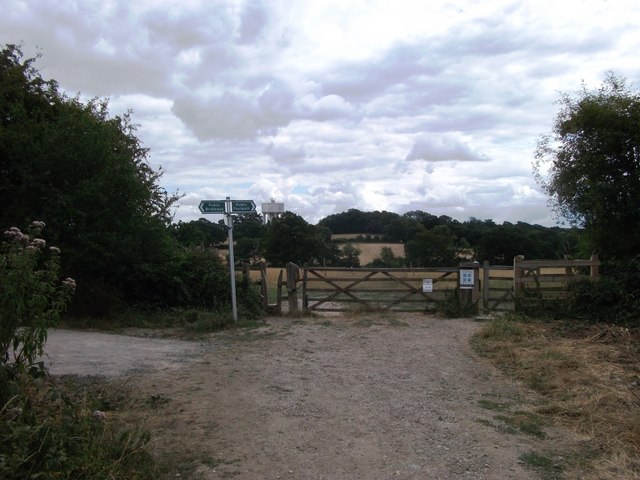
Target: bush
point(32, 297)
point(453, 307)
point(614, 298)
point(46, 434)
point(43, 433)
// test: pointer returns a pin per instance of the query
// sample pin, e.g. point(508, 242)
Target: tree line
point(428, 240)
point(84, 172)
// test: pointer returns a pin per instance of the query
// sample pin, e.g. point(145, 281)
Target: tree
point(387, 259)
point(86, 175)
point(432, 248)
point(593, 163)
point(350, 256)
point(248, 235)
point(290, 238)
point(501, 244)
point(200, 233)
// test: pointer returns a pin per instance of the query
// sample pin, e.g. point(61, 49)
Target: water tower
point(272, 210)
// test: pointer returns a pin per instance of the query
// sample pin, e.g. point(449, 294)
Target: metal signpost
point(228, 207)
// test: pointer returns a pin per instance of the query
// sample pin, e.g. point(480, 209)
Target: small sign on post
point(466, 279)
point(227, 207)
point(427, 285)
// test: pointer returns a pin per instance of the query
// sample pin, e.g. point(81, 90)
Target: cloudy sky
point(327, 105)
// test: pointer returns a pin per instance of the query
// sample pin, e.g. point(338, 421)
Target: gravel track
point(363, 397)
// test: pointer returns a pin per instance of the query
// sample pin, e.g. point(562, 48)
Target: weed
point(49, 431)
point(546, 466)
point(490, 405)
point(158, 400)
point(505, 327)
point(453, 307)
point(585, 384)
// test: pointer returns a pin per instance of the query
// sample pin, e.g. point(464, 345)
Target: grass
point(549, 469)
point(378, 318)
point(71, 429)
point(587, 386)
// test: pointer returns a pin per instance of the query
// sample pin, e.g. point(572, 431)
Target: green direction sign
point(212, 206)
point(240, 206)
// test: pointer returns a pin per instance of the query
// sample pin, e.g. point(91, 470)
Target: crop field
point(370, 251)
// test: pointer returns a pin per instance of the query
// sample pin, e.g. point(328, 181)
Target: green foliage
point(356, 221)
point(86, 174)
point(198, 233)
point(31, 295)
point(44, 433)
point(453, 307)
point(593, 163)
point(387, 259)
point(350, 256)
point(432, 248)
point(504, 327)
point(503, 243)
point(248, 236)
point(290, 238)
point(614, 298)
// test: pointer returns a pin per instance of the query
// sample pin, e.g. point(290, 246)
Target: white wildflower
point(39, 242)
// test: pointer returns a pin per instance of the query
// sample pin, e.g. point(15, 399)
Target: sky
point(328, 105)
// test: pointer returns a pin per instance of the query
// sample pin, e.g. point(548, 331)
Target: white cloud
point(236, 114)
point(331, 105)
point(443, 148)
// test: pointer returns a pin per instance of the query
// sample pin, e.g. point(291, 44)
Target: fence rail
point(398, 289)
point(494, 287)
point(547, 280)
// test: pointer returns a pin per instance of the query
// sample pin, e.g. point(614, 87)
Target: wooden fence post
point(595, 267)
point(264, 290)
point(486, 274)
point(305, 299)
point(245, 272)
point(279, 294)
point(292, 288)
point(469, 293)
point(518, 286)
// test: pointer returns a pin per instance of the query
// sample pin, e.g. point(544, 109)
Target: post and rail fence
point(493, 288)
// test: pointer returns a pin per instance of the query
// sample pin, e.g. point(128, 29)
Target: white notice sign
point(427, 285)
point(466, 279)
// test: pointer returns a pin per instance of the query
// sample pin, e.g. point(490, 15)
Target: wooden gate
point(494, 288)
point(538, 282)
point(397, 289)
point(498, 293)
point(531, 282)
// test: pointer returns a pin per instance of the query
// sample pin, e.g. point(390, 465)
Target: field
point(370, 251)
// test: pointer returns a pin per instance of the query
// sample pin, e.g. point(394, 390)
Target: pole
point(232, 263)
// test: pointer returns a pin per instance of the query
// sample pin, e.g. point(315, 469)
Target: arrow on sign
point(212, 206)
point(240, 206)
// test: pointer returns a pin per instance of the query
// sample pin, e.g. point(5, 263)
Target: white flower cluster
point(16, 235)
point(36, 244)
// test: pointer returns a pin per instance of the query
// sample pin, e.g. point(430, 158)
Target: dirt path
point(361, 398)
point(72, 352)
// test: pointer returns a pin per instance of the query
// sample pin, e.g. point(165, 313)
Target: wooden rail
point(496, 287)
